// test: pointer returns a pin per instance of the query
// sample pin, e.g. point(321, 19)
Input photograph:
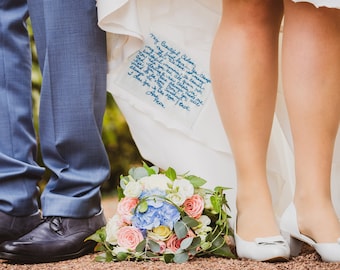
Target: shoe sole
point(29, 259)
point(277, 259)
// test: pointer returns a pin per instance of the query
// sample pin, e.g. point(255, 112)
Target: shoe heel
point(295, 245)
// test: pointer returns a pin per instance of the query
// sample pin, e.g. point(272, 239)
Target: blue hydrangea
point(147, 220)
point(154, 195)
point(170, 215)
point(166, 215)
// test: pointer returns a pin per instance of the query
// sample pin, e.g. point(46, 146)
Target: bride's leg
point(311, 69)
point(244, 74)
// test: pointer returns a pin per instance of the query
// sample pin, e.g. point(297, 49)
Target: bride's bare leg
point(244, 74)
point(311, 68)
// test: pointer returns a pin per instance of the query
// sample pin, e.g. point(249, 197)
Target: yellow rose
point(160, 233)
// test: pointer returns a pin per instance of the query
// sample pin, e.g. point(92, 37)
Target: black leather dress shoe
point(55, 239)
point(12, 227)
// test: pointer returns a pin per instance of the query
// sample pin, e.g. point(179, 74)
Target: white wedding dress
point(158, 54)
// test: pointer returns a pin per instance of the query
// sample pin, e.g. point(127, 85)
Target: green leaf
point(171, 173)
point(216, 203)
point(138, 172)
point(120, 193)
point(218, 242)
point(155, 169)
point(217, 247)
point(168, 257)
point(109, 256)
point(150, 170)
point(103, 258)
point(195, 180)
point(185, 244)
point(210, 237)
point(190, 222)
point(99, 236)
point(100, 259)
point(154, 246)
point(224, 251)
point(206, 245)
point(141, 246)
point(150, 254)
point(143, 206)
point(181, 257)
point(195, 242)
point(121, 256)
point(192, 251)
point(220, 189)
point(100, 247)
point(181, 230)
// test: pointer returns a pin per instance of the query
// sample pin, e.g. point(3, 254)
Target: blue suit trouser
point(72, 56)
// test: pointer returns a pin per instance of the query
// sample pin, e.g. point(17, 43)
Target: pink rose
point(194, 206)
point(125, 208)
point(173, 243)
point(129, 237)
point(162, 246)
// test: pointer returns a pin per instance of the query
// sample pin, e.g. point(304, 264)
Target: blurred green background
point(119, 144)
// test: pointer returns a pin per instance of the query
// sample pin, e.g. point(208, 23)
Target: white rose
point(203, 229)
point(133, 189)
point(117, 250)
point(155, 181)
point(112, 227)
point(207, 201)
point(184, 187)
point(177, 198)
point(205, 220)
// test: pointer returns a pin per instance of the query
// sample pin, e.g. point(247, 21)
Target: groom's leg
point(19, 172)
point(72, 56)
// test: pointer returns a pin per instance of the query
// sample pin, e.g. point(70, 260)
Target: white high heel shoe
point(329, 252)
point(265, 249)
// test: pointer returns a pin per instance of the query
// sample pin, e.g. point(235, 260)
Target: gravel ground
point(307, 260)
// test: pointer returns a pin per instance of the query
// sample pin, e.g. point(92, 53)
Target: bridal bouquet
point(167, 217)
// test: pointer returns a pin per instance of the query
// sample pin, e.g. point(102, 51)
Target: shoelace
point(56, 224)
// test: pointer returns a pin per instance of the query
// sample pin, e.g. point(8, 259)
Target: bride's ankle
point(256, 220)
point(309, 215)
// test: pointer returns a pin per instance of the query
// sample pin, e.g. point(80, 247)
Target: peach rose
point(125, 208)
point(162, 246)
point(129, 237)
point(174, 243)
point(194, 206)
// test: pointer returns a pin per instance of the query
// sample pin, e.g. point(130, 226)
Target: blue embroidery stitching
point(169, 76)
